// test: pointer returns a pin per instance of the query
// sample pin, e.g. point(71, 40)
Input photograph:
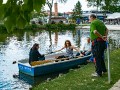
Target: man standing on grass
point(98, 35)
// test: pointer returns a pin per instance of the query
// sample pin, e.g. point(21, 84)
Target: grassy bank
point(80, 79)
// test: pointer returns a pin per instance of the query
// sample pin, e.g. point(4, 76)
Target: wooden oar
point(61, 59)
point(49, 53)
point(40, 62)
point(47, 61)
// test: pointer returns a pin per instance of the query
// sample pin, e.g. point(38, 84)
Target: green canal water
point(16, 46)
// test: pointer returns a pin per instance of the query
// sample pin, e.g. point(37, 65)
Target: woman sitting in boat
point(34, 54)
point(69, 50)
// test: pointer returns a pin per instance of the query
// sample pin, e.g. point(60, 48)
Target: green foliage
point(8, 23)
point(3, 29)
point(112, 5)
point(107, 5)
point(63, 1)
point(40, 27)
point(37, 4)
point(94, 3)
point(61, 26)
point(21, 21)
point(1, 1)
point(39, 14)
point(1, 11)
point(17, 13)
point(77, 11)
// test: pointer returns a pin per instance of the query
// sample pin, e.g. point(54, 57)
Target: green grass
point(80, 79)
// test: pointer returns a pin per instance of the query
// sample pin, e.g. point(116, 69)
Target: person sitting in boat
point(69, 50)
point(87, 47)
point(87, 50)
point(34, 54)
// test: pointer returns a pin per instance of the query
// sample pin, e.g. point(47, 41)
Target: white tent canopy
point(113, 16)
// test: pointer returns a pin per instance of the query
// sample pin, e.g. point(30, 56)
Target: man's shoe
point(104, 73)
point(96, 75)
point(88, 61)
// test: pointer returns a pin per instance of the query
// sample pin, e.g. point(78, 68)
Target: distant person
point(78, 21)
point(40, 22)
point(69, 50)
point(98, 35)
point(60, 22)
point(53, 22)
point(33, 22)
point(34, 54)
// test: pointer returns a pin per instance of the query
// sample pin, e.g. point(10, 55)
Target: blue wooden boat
point(25, 68)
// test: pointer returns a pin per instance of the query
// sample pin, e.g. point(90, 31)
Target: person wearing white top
point(87, 47)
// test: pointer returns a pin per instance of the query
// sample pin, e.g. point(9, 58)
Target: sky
point(69, 5)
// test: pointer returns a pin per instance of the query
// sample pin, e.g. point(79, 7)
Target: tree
point(107, 5)
point(41, 13)
point(50, 5)
point(17, 13)
point(77, 11)
point(95, 3)
point(111, 5)
point(39, 16)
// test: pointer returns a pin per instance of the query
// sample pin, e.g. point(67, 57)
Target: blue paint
point(49, 68)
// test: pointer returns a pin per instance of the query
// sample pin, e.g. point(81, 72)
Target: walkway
point(116, 86)
point(110, 27)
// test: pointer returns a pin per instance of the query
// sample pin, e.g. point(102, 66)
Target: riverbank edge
point(116, 86)
point(110, 27)
point(84, 81)
point(41, 27)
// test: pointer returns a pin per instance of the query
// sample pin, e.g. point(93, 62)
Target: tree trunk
point(50, 16)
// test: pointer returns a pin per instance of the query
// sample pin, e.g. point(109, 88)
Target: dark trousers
point(98, 48)
point(85, 53)
point(42, 58)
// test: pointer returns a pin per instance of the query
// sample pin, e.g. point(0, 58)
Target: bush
point(3, 29)
point(60, 26)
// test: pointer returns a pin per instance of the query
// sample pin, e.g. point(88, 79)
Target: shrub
point(60, 26)
point(3, 29)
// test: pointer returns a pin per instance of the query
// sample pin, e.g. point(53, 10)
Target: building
point(66, 16)
point(100, 14)
point(113, 19)
point(55, 18)
point(58, 19)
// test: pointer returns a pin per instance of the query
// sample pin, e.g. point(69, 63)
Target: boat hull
point(52, 67)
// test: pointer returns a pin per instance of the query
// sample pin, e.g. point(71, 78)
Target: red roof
point(68, 12)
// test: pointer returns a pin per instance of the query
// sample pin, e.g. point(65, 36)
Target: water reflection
point(16, 46)
point(39, 79)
